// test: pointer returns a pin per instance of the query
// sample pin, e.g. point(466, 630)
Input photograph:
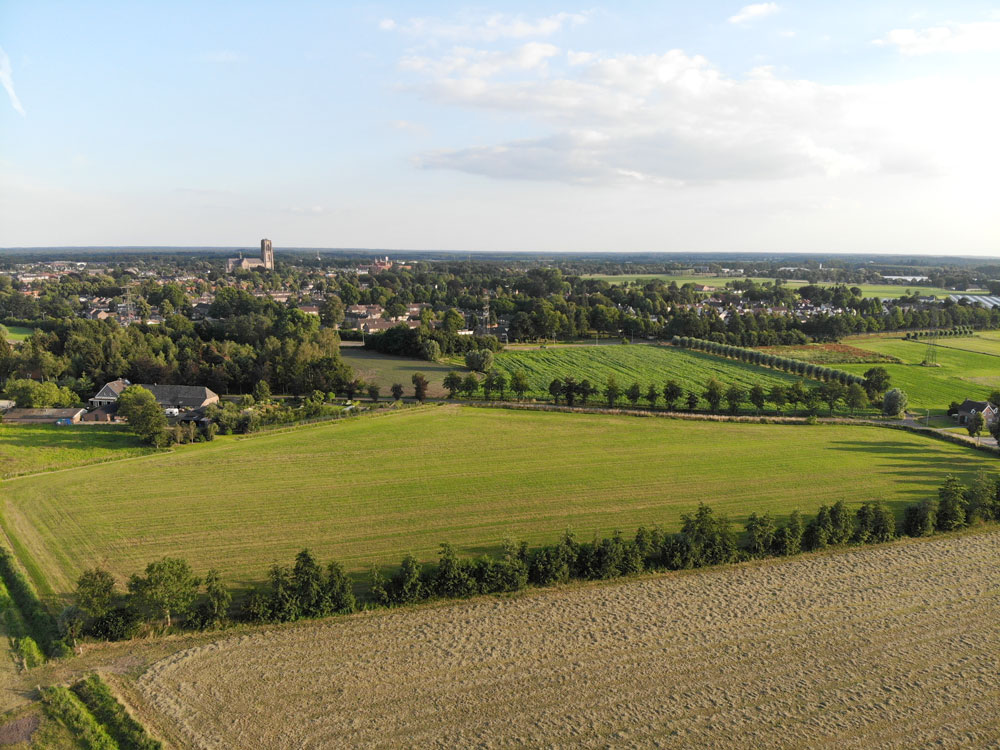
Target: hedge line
point(41, 625)
point(123, 729)
point(956, 331)
point(753, 356)
point(67, 709)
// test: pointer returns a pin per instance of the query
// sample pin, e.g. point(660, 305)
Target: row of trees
point(956, 331)
point(753, 356)
point(572, 392)
point(167, 593)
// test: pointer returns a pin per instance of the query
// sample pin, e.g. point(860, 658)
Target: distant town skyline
point(719, 127)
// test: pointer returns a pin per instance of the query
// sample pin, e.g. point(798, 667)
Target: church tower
point(267, 254)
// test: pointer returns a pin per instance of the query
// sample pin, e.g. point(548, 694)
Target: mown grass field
point(370, 490)
point(985, 342)
point(28, 449)
point(959, 374)
point(18, 333)
point(386, 369)
point(633, 363)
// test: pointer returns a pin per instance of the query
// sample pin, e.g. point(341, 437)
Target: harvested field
point(828, 354)
point(873, 647)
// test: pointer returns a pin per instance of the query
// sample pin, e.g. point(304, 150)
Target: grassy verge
point(105, 708)
point(64, 707)
point(38, 622)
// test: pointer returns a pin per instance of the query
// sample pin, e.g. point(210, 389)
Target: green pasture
point(633, 363)
point(386, 369)
point(986, 342)
point(370, 490)
point(959, 374)
point(18, 333)
point(28, 449)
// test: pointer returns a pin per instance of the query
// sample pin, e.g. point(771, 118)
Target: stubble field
point(891, 647)
point(370, 490)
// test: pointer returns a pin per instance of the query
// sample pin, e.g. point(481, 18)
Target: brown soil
point(20, 730)
point(895, 647)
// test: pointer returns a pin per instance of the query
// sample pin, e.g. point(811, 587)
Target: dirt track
point(880, 647)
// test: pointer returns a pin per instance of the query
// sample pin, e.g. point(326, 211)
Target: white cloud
point(7, 79)
point(474, 64)
point(754, 11)
point(487, 29)
point(981, 36)
point(674, 118)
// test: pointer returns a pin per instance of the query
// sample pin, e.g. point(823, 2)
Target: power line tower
point(930, 356)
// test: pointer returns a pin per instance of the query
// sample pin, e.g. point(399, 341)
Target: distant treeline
point(427, 344)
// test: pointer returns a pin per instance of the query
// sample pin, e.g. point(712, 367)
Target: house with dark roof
point(43, 416)
point(968, 409)
point(181, 397)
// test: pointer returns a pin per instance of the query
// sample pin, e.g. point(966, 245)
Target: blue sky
point(674, 126)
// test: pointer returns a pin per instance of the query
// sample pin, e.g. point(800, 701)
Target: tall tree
point(168, 589)
point(634, 393)
point(951, 505)
point(778, 396)
point(145, 416)
point(611, 390)
point(519, 383)
point(419, 386)
point(713, 394)
point(757, 397)
point(734, 397)
point(652, 395)
point(671, 393)
point(94, 592)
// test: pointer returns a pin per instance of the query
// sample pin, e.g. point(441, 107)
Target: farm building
point(43, 416)
point(184, 397)
point(969, 408)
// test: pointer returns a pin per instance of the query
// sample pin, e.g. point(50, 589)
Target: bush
point(28, 652)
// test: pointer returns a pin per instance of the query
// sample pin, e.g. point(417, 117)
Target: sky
point(632, 126)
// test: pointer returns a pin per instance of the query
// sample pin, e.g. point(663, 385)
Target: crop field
point(892, 646)
point(959, 374)
point(633, 363)
point(27, 449)
point(828, 354)
point(371, 489)
point(386, 369)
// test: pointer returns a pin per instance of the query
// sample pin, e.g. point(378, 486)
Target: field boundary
point(947, 437)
